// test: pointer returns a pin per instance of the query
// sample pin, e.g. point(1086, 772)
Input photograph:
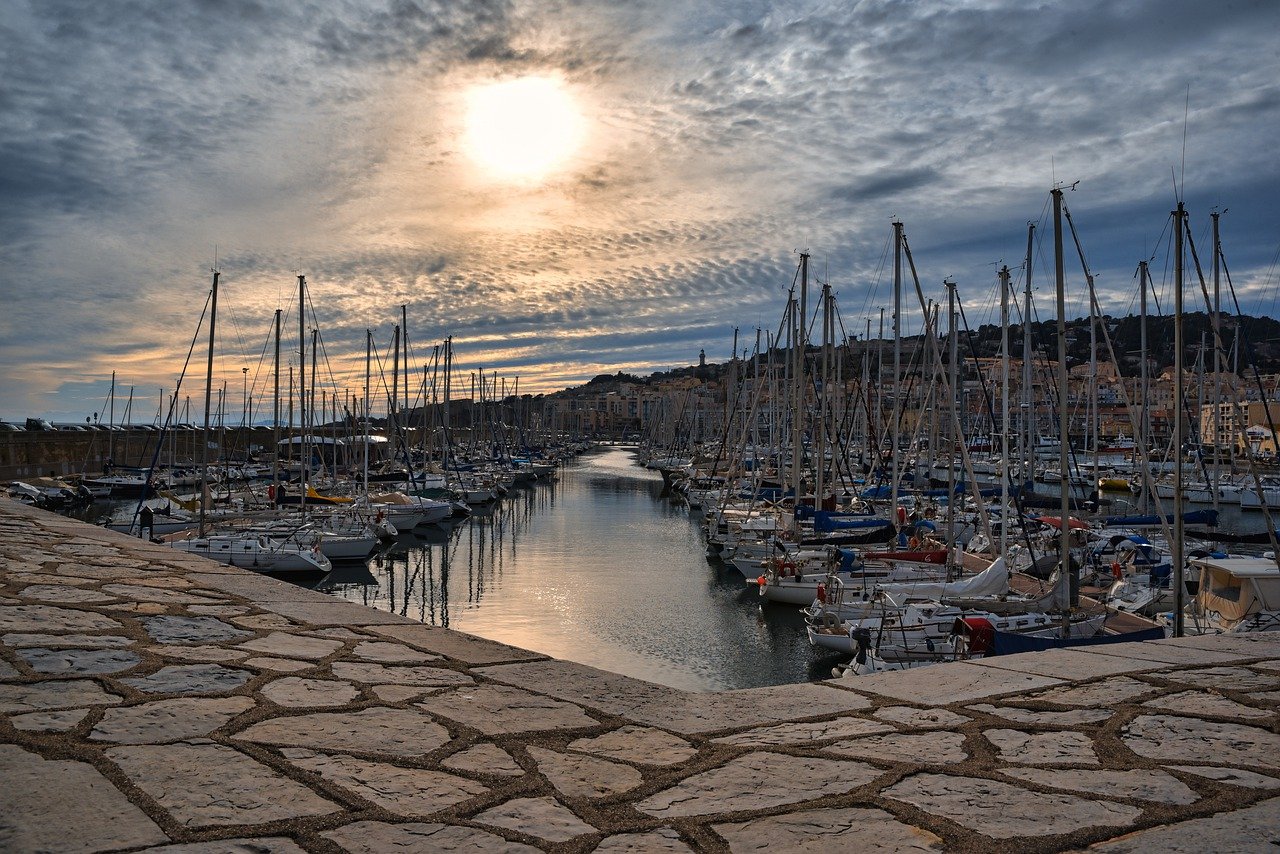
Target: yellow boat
point(1113, 484)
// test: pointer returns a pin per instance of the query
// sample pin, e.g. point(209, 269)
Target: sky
point(570, 188)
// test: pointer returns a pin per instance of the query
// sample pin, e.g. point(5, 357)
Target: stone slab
point(1045, 748)
point(258, 845)
point(668, 708)
point(1202, 703)
point(191, 630)
point(498, 709)
point(664, 839)
point(285, 645)
point(1169, 654)
point(60, 694)
point(391, 653)
point(63, 805)
point(757, 781)
point(1115, 690)
point(78, 662)
point(331, 613)
point(1075, 717)
point(370, 673)
point(297, 693)
point(957, 682)
point(484, 758)
point(49, 618)
point(18, 639)
point(61, 593)
point(827, 830)
point(805, 732)
point(1071, 664)
point(168, 720)
point(1176, 739)
point(1004, 811)
point(191, 679)
point(540, 817)
point(410, 792)
point(577, 776)
point(394, 732)
point(1224, 678)
point(925, 748)
point(376, 837)
point(913, 718)
point(202, 785)
point(1233, 776)
point(49, 721)
point(1139, 785)
point(456, 645)
point(1249, 829)
point(199, 653)
point(277, 665)
point(641, 745)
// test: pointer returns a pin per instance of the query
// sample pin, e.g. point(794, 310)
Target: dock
point(155, 701)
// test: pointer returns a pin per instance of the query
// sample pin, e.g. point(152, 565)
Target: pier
point(149, 698)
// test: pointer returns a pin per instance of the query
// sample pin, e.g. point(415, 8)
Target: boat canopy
point(1238, 587)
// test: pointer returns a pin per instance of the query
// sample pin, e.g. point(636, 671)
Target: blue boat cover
point(1010, 643)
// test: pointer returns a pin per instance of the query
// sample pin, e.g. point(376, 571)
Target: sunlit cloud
point(700, 147)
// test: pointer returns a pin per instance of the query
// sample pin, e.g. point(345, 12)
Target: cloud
point(137, 139)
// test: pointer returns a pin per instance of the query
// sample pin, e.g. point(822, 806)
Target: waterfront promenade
point(150, 700)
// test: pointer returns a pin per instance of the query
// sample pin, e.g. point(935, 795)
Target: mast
point(797, 378)
point(1176, 546)
point(111, 420)
point(895, 416)
point(208, 401)
point(1004, 407)
point(953, 346)
point(1064, 419)
point(368, 362)
point(275, 413)
point(1217, 370)
point(1028, 410)
point(302, 387)
point(1145, 439)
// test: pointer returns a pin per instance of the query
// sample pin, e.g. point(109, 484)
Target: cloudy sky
point(573, 187)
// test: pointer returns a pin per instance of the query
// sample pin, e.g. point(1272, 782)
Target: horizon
point(577, 191)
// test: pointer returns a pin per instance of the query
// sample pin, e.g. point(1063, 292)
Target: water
point(602, 568)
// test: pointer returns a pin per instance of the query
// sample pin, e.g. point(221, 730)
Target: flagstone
point(162, 721)
point(285, 645)
point(1004, 811)
point(909, 716)
point(64, 594)
point(50, 618)
point(1197, 703)
point(394, 732)
point(199, 653)
point(928, 748)
point(1075, 717)
point(191, 630)
point(827, 830)
point(641, 745)
point(1046, 748)
point(202, 785)
point(57, 694)
point(53, 641)
point(410, 792)
point(191, 679)
point(1177, 739)
point(64, 805)
point(144, 593)
point(277, 665)
point(497, 709)
point(256, 845)
point(757, 781)
point(79, 662)
point(1249, 829)
point(1226, 678)
point(484, 758)
point(371, 673)
point(803, 733)
point(1234, 776)
point(664, 839)
point(300, 693)
point(540, 817)
point(579, 776)
point(1118, 689)
point(393, 653)
point(59, 721)
point(1139, 785)
point(376, 837)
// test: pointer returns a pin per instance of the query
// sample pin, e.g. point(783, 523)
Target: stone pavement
point(150, 700)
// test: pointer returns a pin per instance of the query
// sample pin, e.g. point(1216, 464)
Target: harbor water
point(601, 567)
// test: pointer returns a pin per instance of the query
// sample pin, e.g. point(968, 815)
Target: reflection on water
point(601, 568)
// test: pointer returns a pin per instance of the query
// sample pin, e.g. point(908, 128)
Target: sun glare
point(522, 128)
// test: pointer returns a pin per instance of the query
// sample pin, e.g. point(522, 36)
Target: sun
point(522, 129)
